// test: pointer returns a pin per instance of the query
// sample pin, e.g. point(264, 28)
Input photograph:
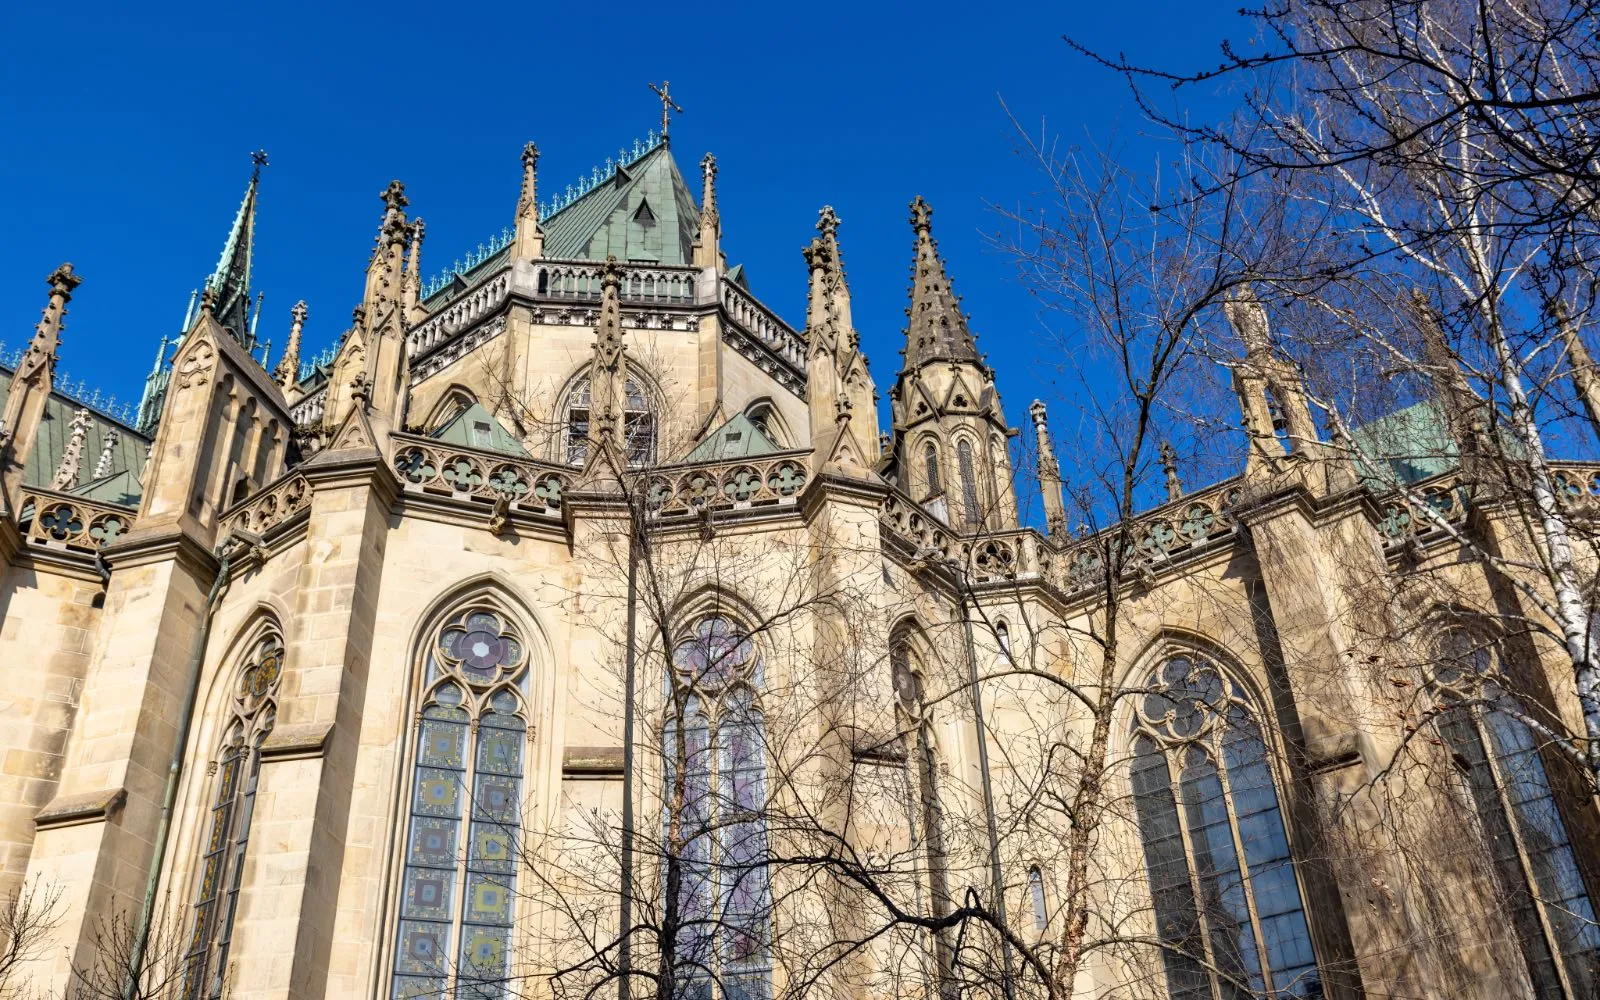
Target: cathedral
point(571, 627)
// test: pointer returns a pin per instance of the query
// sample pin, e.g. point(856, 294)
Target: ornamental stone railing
point(1577, 483)
point(761, 323)
point(459, 315)
point(743, 484)
point(424, 465)
point(1155, 536)
point(309, 410)
point(276, 503)
point(62, 520)
point(580, 280)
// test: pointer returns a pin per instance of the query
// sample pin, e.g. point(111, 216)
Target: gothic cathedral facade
point(320, 676)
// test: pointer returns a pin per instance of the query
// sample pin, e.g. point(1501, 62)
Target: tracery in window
point(252, 712)
point(1534, 864)
point(725, 901)
point(459, 885)
point(969, 483)
point(638, 423)
point(1227, 901)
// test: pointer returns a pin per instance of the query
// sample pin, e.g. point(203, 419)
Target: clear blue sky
point(126, 130)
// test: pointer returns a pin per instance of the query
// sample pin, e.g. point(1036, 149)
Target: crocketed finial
point(921, 217)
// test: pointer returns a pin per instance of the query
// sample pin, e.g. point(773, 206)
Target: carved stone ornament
point(196, 368)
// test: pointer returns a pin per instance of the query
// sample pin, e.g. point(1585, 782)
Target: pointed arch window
point(1228, 906)
point(458, 891)
point(714, 814)
point(1534, 863)
point(1041, 916)
point(969, 483)
point(638, 423)
point(922, 769)
point(930, 464)
point(253, 710)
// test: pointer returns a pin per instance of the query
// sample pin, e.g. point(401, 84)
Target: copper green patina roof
point(55, 430)
point(738, 438)
point(476, 427)
point(1414, 442)
point(642, 212)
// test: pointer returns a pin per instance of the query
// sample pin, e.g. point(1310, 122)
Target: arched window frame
point(908, 674)
point(639, 428)
point(456, 400)
point(763, 413)
point(714, 700)
point(971, 489)
point(1036, 898)
point(464, 801)
point(232, 776)
point(932, 466)
point(1210, 816)
point(1498, 758)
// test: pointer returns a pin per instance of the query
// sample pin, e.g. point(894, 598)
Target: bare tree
point(26, 919)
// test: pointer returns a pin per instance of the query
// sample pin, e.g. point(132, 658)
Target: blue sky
point(127, 130)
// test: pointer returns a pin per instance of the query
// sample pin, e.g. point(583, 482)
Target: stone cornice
point(77, 809)
point(352, 467)
point(162, 544)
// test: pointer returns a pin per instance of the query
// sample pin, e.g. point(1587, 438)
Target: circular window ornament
point(481, 647)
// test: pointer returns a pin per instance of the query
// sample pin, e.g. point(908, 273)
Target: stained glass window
point(458, 892)
point(969, 482)
point(1227, 900)
point(1534, 863)
point(717, 744)
point(1036, 897)
point(638, 423)
point(930, 458)
point(922, 772)
point(252, 710)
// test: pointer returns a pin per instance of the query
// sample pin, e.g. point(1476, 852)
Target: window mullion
point(1491, 757)
point(1202, 923)
point(469, 777)
point(1246, 887)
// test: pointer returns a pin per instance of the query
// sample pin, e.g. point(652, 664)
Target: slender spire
point(708, 244)
point(288, 372)
point(230, 282)
point(1169, 469)
point(411, 284)
point(1463, 408)
point(66, 477)
point(530, 236)
point(828, 319)
point(155, 385)
point(104, 465)
point(31, 385)
point(607, 374)
point(937, 330)
point(1055, 511)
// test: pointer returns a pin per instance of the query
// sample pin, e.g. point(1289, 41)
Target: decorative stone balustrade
point(270, 507)
point(459, 315)
point(580, 280)
point(309, 410)
point(70, 522)
point(1155, 537)
point(1577, 483)
point(759, 321)
point(770, 480)
point(426, 466)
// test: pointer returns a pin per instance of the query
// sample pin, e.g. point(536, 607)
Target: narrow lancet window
point(253, 711)
point(969, 483)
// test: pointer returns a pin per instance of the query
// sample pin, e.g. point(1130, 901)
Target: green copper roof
point(476, 427)
point(1415, 442)
point(738, 438)
point(120, 488)
point(55, 430)
point(644, 212)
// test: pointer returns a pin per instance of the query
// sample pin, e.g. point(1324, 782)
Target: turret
point(371, 368)
point(31, 385)
point(708, 244)
point(840, 393)
point(287, 373)
point(950, 434)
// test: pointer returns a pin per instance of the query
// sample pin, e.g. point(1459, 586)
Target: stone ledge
point(592, 763)
point(297, 742)
point(85, 807)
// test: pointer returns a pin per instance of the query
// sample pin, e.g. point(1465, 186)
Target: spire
point(1055, 512)
point(708, 244)
point(828, 306)
point(155, 384)
point(937, 330)
point(411, 284)
point(288, 372)
point(230, 282)
point(607, 374)
point(530, 237)
point(66, 477)
point(104, 465)
point(32, 383)
point(1463, 408)
point(1169, 469)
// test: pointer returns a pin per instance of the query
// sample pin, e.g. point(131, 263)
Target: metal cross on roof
point(668, 105)
point(259, 158)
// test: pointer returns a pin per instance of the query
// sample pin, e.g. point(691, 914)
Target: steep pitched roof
point(55, 430)
point(737, 438)
point(642, 212)
point(476, 427)
point(937, 331)
point(231, 279)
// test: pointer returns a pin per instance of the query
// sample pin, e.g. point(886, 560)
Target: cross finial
point(921, 216)
point(668, 105)
point(259, 158)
